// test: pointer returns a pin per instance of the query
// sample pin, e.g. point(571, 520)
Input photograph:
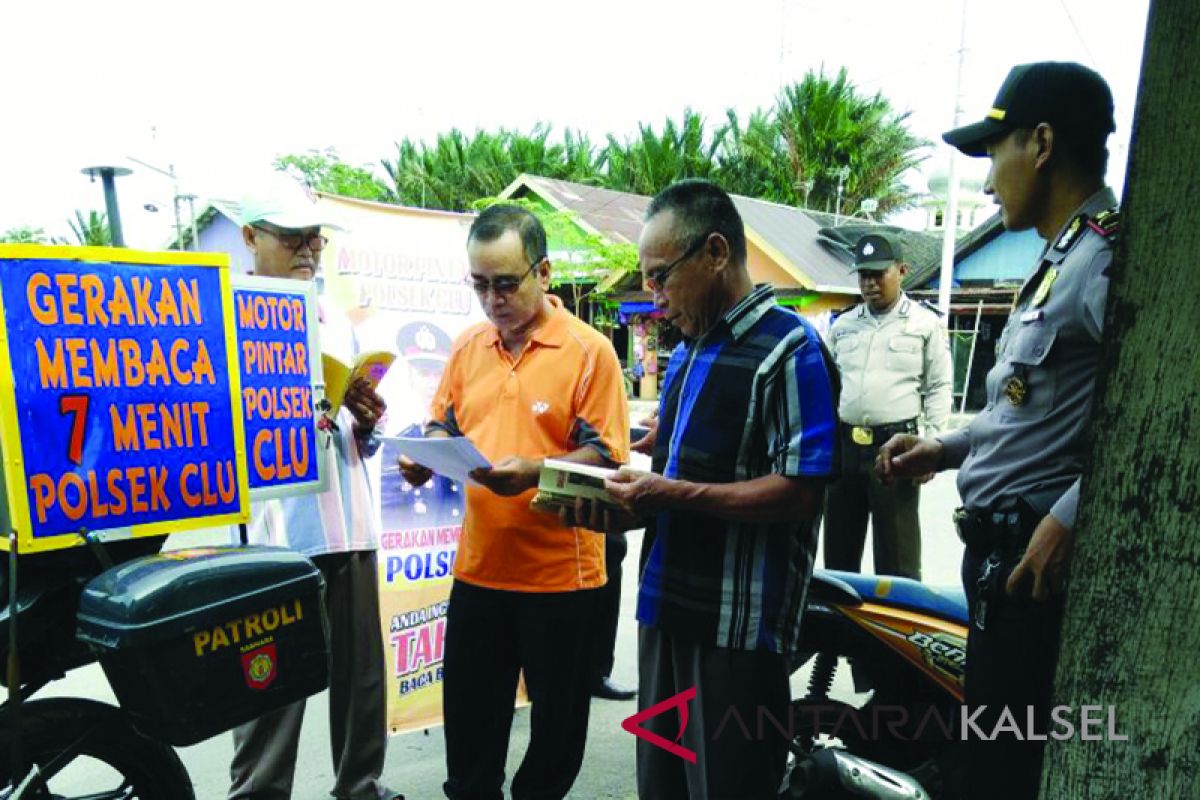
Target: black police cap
point(1069, 97)
point(876, 251)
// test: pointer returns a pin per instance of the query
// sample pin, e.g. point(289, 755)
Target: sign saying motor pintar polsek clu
point(281, 382)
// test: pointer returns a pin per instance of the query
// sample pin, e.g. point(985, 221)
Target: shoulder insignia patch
point(1106, 223)
point(929, 306)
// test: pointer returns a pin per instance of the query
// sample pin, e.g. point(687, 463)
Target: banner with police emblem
point(398, 274)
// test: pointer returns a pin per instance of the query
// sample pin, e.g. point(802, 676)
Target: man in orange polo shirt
point(533, 382)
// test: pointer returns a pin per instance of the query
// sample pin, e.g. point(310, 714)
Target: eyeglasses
point(294, 241)
point(657, 280)
point(504, 285)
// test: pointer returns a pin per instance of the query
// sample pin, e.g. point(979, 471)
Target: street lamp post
point(108, 175)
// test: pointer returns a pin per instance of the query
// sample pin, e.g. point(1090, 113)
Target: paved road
point(415, 762)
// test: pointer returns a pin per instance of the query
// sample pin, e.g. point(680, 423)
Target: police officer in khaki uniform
point(894, 360)
point(1020, 460)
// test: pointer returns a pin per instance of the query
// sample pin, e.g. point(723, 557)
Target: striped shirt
point(754, 396)
point(343, 517)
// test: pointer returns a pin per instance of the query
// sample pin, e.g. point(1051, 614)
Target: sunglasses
point(294, 241)
point(504, 285)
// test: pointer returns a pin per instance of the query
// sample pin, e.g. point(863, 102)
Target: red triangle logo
point(634, 724)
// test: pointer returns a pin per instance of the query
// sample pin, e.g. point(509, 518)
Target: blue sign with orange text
point(276, 340)
point(123, 414)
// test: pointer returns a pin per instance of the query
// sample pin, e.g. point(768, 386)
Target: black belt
point(874, 435)
point(1006, 532)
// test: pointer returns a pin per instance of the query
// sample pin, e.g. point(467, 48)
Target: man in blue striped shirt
point(745, 444)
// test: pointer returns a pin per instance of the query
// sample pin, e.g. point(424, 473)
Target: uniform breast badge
point(1016, 389)
point(1043, 290)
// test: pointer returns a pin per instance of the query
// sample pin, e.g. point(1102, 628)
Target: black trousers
point(893, 510)
point(1010, 665)
point(491, 636)
point(609, 611)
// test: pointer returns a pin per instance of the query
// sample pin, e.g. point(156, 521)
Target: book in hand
point(339, 375)
point(561, 482)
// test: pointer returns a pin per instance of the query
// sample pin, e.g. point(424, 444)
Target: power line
point(1078, 35)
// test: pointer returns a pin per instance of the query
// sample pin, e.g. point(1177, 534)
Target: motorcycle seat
point(945, 602)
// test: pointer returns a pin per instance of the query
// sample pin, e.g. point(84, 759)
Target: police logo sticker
point(1016, 390)
point(1043, 290)
point(259, 667)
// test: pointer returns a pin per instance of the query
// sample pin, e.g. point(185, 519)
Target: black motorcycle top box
point(196, 642)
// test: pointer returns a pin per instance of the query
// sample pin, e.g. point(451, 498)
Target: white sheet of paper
point(452, 456)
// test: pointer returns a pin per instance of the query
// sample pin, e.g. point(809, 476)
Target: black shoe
point(605, 689)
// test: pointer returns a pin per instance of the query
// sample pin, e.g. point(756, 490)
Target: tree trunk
point(1131, 636)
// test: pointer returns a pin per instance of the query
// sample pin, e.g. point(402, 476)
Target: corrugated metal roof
point(616, 215)
point(795, 235)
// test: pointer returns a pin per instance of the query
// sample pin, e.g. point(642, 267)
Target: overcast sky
point(226, 86)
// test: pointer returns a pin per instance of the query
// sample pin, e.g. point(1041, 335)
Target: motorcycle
point(54, 733)
point(904, 643)
point(174, 686)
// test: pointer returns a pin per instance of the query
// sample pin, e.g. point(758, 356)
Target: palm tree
point(458, 169)
point(827, 127)
point(750, 160)
point(792, 153)
point(91, 230)
point(650, 162)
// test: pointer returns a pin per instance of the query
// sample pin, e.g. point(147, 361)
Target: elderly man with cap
point(1021, 459)
point(337, 530)
point(894, 362)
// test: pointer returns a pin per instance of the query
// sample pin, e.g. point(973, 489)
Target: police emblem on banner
point(259, 667)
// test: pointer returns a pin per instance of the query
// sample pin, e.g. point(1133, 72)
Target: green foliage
point(825, 125)
point(790, 154)
point(25, 234)
point(458, 169)
point(91, 230)
point(324, 171)
point(650, 162)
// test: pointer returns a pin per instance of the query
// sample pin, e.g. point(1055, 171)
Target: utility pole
point(842, 174)
point(175, 198)
point(191, 200)
point(950, 218)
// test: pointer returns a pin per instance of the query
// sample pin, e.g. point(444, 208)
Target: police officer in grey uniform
point(1021, 458)
point(894, 360)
